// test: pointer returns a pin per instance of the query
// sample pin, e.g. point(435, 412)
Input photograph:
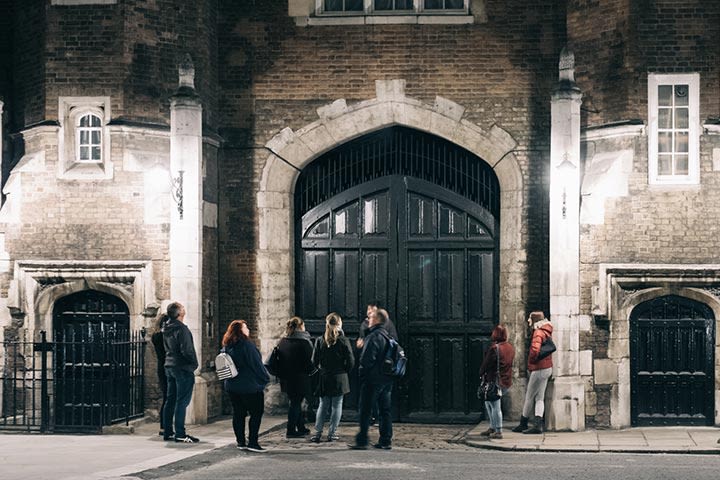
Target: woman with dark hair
point(500, 371)
point(157, 340)
point(334, 357)
point(295, 358)
point(246, 390)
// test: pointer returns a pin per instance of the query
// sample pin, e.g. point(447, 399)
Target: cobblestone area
point(413, 436)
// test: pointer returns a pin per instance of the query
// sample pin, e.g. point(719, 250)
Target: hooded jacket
point(372, 356)
point(295, 352)
point(541, 330)
point(179, 347)
point(489, 367)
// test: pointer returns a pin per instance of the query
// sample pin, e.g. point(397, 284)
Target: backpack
point(395, 362)
point(272, 364)
point(225, 367)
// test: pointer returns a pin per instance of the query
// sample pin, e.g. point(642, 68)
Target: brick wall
point(274, 75)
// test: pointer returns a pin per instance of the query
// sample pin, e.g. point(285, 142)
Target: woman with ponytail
point(334, 357)
point(246, 390)
point(295, 352)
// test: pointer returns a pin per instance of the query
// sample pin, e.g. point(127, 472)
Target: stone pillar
point(566, 407)
point(186, 222)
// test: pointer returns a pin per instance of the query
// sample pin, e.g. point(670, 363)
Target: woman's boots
point(537, 427)
point(523, 425)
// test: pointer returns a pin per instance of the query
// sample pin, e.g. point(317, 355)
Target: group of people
point(497, 367)
point(326, 364)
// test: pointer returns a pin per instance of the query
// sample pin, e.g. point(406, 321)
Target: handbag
point(272, 363)
point(490, 391)
point(547, 347)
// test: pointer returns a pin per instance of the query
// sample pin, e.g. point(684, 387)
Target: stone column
point(186, 222)
point(566, 407)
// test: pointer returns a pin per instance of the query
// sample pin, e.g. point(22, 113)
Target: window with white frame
point(674, 129)
point(381, 7)
point(84, 139)
point(88, 133)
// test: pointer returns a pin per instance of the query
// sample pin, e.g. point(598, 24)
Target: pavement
point(140, 448)
point(685, 440)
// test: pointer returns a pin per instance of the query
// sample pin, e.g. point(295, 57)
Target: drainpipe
point(566, 409)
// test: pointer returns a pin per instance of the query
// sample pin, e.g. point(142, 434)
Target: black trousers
point(244, 404)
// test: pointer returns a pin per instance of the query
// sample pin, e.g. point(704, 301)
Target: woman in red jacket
point(490, 368)
point(540, 371)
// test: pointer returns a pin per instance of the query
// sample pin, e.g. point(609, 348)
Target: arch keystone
point(390, 89)
point(450, 109)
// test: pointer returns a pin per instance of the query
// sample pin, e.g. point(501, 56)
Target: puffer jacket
point(541, 330)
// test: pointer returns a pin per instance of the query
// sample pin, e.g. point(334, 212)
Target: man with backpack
point(375, 384)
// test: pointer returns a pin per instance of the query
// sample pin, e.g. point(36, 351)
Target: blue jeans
point(371, 393)
point(179, 393)
point(494, 412)
point(326, 403)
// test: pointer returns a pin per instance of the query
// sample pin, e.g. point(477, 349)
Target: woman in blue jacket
point(246, 390)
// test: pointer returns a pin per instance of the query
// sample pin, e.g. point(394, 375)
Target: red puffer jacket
point(541, 330)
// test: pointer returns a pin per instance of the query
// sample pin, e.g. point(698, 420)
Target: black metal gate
point(91, 375)
point(672, 362)
point(419, 234)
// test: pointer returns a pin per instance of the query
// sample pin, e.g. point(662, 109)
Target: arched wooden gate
point(412, 221)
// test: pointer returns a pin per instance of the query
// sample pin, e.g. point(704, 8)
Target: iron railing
point(74, 384)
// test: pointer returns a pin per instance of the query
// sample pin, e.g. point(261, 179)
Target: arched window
point(89, 139)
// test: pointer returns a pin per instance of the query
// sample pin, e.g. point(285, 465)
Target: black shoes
point(187, 439)
point(357, 446)
point(254, 447)
point(383, 446)
point(294, 435)
point(315, 438)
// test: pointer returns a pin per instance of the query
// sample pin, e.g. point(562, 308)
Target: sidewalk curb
point(485, 445)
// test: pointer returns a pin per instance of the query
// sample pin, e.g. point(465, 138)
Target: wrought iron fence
point(78, 383)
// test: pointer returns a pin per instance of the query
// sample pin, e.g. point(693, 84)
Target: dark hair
point(499, 334)
point(174, 309)
point(374, 303)
point(162, 318)
point(382, 316)
point(292, 325)
point(234, 333)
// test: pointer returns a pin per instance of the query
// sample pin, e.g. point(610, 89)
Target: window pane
point(455, 4)
point(681, 95)
point(96, 137)
point(433, 4)
point(681, 118)
point(84, 137)
point(393, 5)
point(354, 5)
point(665, 118)
point(664, 164)
point(84, 153)
point(681, 164)
point(665, 95)
point(664, 142)
point(681, 142)
point(96, 153)
point(85, 121)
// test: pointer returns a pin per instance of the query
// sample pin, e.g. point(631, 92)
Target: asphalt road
point(337, 463)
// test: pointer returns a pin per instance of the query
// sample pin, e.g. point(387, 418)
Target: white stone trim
point(68, 166)
point(339, 123)
point(712, 128)
point(37, 284)
point(82, 2)
point(611, 131)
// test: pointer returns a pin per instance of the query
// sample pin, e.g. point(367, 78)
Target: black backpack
point(394, 362)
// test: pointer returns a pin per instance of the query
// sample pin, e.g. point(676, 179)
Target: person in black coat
point(157, 340)
point(375, 386)
point(295, 358)
point(334, 357)
point(247, 389)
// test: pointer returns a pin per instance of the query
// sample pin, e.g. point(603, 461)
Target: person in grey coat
point(180, 365)
point(333, 356)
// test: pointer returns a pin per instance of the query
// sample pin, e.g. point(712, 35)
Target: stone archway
point(339, 123)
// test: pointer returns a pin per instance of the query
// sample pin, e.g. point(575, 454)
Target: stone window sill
point(410, 19)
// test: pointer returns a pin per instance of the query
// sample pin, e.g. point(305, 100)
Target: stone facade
point(278, 85)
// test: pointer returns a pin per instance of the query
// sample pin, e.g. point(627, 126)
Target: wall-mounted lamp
point(176, 190)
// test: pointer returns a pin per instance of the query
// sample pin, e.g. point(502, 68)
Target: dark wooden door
point(672, 358)
point(430, 256)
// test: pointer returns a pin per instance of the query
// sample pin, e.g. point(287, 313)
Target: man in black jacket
point(180, 363)
point(375, 386)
